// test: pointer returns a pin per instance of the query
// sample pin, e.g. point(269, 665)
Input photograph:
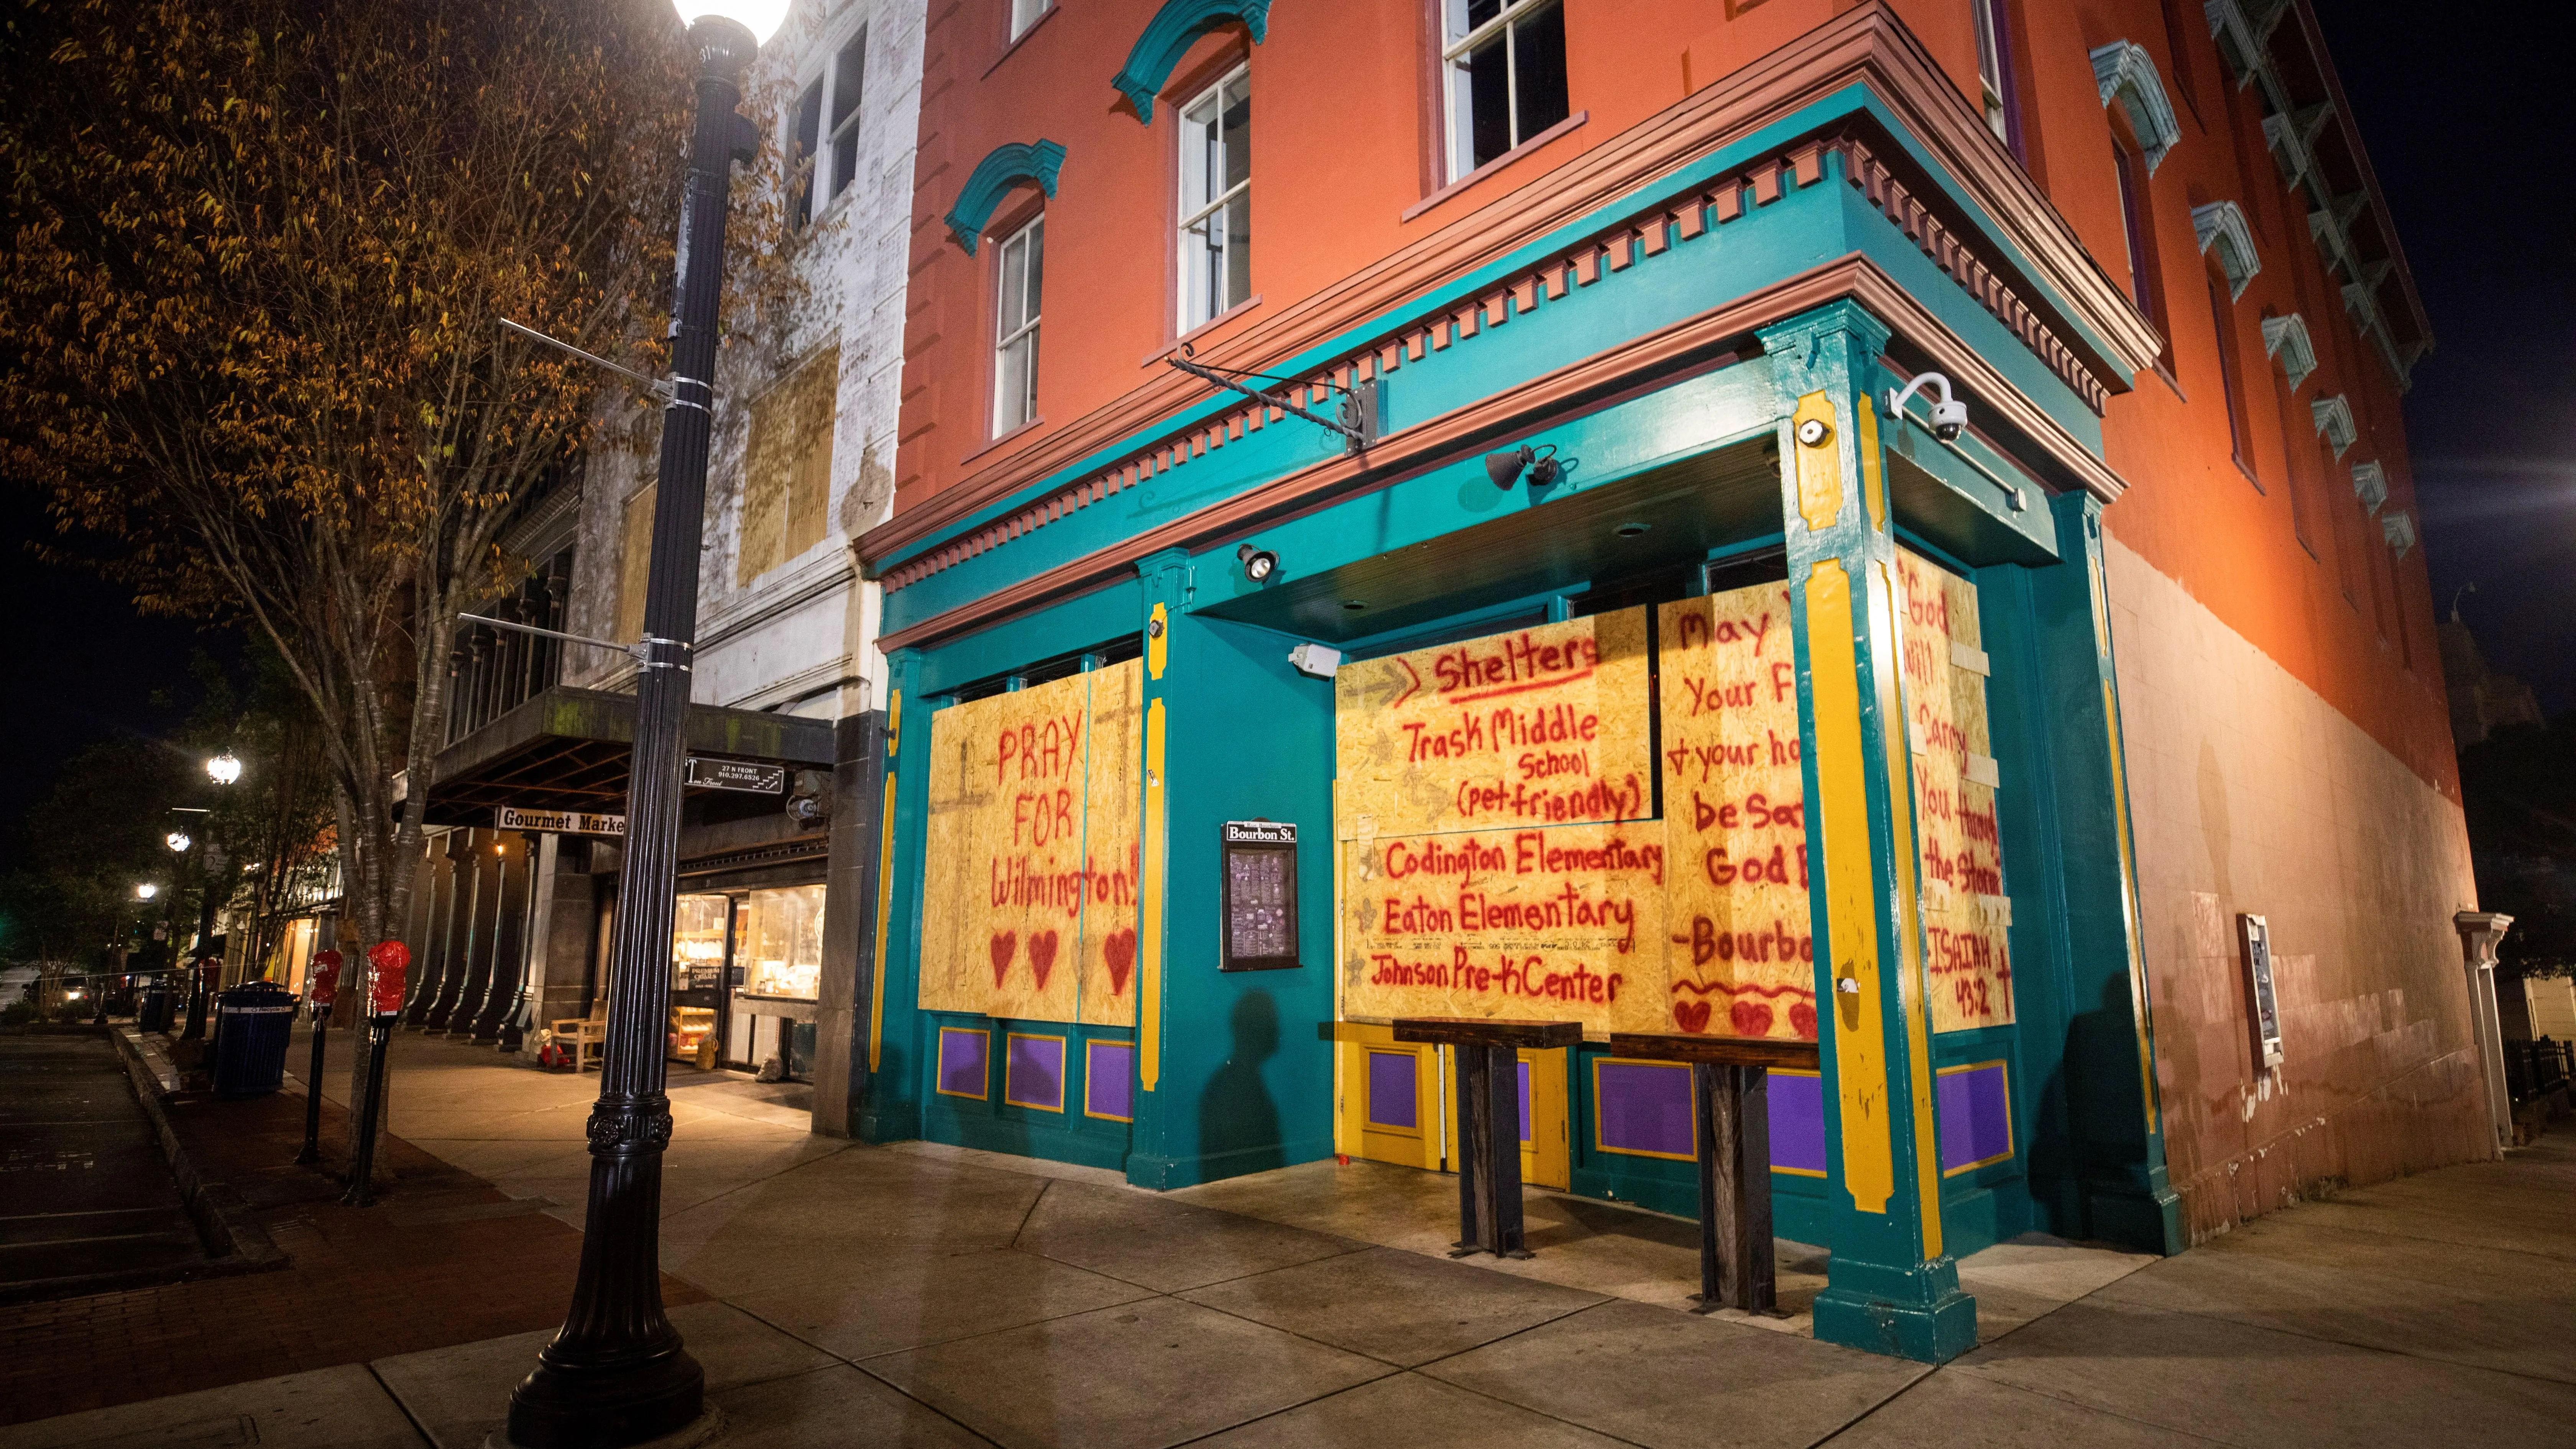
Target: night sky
point(2454, 118)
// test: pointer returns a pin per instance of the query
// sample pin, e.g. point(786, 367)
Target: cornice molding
point(1867, 46)
point(1465, 432)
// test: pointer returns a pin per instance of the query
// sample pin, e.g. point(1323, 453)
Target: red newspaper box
point(391, 959)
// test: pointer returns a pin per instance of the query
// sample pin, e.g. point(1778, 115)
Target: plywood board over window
point(1030, 912)
point(1966, 914)
point(1743, 956)
point(787, 472)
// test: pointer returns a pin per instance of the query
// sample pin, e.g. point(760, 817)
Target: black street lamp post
point(616, 1374)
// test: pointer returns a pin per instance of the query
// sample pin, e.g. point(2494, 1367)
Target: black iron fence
point(2536, 1068)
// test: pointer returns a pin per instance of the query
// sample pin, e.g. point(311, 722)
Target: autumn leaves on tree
point(249, 340)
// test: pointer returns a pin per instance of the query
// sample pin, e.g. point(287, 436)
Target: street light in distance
point(224, 769)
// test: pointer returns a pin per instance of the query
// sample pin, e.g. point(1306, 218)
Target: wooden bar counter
point(1489, 1106)
point(1731, 1125)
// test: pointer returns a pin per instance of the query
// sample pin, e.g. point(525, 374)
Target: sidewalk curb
point(234, 1242)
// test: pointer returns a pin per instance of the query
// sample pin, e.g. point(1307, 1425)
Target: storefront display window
point(779, 942)
point(697, 966)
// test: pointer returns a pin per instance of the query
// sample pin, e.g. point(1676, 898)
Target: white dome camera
point(1949, 415)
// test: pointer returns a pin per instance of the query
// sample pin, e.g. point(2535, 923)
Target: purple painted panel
point(1393, 1100)
point(962, 1056)
point(1525, 1112)
point(1109, 1080)
point(1645, 1107)
point(1797, 1122)
point(1033, 1072)
point(1976, 1116)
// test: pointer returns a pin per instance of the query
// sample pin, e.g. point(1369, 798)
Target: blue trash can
point(251, 1025)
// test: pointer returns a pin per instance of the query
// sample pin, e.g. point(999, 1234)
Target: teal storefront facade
point(1669, 343)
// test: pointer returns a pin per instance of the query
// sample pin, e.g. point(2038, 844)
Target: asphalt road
point(83, 1185)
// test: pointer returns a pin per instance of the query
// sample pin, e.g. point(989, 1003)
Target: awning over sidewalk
point(567, 749)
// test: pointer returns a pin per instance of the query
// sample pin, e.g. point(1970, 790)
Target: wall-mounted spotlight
point(1949, 416)
point(1258, 563)
point(1506, 467)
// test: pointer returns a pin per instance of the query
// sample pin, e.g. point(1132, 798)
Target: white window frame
point(1192, 156)
point(1025, 14)
point(1462, 140)
point(1008, 332)
point(828, 139)
point(1990, 72)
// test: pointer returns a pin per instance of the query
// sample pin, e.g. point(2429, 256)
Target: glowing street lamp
point(146, 891)
point(224, 769)
point(178, 840)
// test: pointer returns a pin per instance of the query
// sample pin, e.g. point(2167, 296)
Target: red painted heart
point(1042, 956)
point(1802, 1020)
point(1691, 1016)
point(1004, 944)
point(1750, 1018)
point(1118, 951)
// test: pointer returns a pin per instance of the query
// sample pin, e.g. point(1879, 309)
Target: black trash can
point(251, 1025)
point(155, 1012)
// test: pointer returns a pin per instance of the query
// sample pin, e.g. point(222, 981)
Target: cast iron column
point(616, 1375)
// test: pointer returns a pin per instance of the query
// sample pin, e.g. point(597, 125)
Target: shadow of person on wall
point(1238, 1123)
point(2087, 1156)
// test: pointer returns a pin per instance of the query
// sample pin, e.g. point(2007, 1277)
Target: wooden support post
point(1731, 1125)
point(1489, 1139)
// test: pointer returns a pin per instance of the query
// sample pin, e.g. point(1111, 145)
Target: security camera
point(1949, 416)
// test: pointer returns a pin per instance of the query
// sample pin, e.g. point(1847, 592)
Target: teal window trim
point(1168, 36)
point(1005, 167)
point(2124, 72)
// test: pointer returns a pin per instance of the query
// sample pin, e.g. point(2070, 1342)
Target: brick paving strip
point(444, 1258)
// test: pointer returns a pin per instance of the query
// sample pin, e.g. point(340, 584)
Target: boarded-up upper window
point(787, 477)
point(634, 559)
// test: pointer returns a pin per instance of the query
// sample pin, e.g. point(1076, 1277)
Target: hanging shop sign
point(743, 775)
point(1259, 881)
point(558, 822)
point(1029, 911)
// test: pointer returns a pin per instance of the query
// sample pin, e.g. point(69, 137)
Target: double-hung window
point(1216, 199)
point(832, 150)
point(1025, 13)
point(1994, 72)
point(1015, 335)
point(1503, 62)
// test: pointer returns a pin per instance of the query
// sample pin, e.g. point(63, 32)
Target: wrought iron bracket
point(1356, 416)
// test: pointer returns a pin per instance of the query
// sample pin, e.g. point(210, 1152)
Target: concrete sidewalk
point(915, 1295)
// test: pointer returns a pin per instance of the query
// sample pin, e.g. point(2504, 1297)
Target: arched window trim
point(2221, 224)
point(2127, 74)
point(2286, 339)
point(994, 176)
point(1168, 37)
